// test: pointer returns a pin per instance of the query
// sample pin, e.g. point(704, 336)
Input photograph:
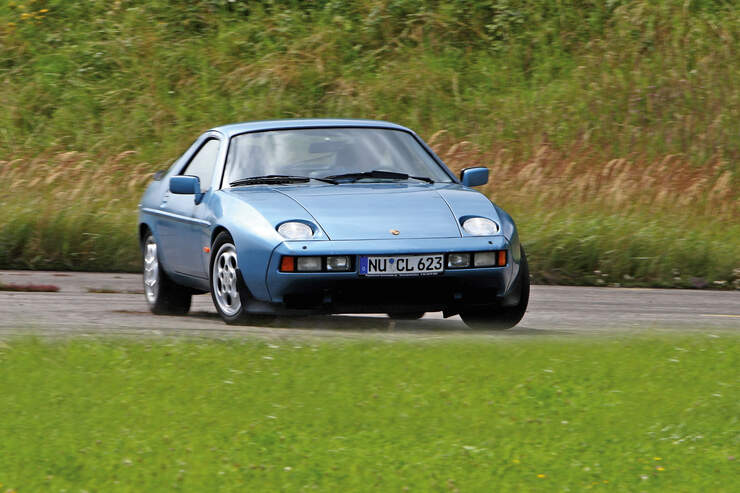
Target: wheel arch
point(144, 228)
point(254, 251)
point(217, 231)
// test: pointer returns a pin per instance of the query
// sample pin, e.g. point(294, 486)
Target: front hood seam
point(454, 218)
point(304, 208)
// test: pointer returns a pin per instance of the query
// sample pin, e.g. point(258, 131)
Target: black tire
point(406, 315)
point(495, 317)
point(226, 291)
point(164, 296)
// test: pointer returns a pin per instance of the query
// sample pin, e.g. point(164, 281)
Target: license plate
point(401, 265)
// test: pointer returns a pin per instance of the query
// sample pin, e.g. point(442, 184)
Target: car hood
point(376, 211)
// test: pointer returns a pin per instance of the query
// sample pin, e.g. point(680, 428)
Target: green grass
point(629, 76)
point(637, 249)
point(641, 414)
point(110, 91)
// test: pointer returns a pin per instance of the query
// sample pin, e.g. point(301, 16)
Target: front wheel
point(495, 317)
point(163, 296)
point(229, 293)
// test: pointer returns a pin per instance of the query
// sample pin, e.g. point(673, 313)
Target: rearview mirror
point(474, 177)
point(185, 185)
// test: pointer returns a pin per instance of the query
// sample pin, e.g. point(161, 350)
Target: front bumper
point(343, 292)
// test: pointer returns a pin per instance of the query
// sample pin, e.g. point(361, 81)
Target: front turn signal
point(287, 264)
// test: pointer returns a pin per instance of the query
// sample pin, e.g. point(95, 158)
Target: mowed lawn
point(501, 414)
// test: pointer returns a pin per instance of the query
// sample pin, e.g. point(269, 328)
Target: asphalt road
point(98, 304)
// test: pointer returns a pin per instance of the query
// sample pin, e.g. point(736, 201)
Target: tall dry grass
point(67, 210)
point(626, 221)
point(633, 221)
point(556, 179)
point(75, 176)
point(549, 179)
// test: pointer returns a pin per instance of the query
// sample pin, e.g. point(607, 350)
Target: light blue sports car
point(328, 216)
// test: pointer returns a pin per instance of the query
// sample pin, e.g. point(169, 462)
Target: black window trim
point(207, 139)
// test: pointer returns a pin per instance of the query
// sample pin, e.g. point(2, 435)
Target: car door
point(183, 226)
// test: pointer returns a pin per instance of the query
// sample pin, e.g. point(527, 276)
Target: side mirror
point(474, 177)
point(185, 185)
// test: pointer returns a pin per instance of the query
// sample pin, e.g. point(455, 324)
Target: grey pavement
point(111, 303)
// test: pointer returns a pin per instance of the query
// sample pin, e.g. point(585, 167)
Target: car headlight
point(480, 226)
point(294, 230)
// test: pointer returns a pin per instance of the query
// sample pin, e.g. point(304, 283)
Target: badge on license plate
point(401, 265)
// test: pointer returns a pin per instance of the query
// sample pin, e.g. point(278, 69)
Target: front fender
point(251, 218)
point(508, 228)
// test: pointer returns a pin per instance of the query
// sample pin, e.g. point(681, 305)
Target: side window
point(203, 163)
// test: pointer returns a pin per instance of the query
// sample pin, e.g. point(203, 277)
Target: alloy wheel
point(224, 279)
point(151, 270)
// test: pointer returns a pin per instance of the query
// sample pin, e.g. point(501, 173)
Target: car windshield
point(322, 152)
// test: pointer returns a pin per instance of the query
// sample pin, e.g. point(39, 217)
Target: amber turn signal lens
point(287, 264)
point(501, 258)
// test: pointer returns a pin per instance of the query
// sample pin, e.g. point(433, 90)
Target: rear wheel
point(406, 315)
point(229, 293)
point(495, 317)
point(163, 296)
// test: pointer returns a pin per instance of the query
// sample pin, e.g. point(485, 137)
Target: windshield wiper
point(278, 179)
point(377, 173)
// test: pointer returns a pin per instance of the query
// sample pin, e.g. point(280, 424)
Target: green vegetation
point(644, 414)
point(99, 94)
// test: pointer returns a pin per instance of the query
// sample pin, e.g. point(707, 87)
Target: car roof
point(256, 126)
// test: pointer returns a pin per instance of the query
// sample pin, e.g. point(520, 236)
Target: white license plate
point(401, 265)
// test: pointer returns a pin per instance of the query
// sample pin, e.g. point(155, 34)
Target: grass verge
point(648, 414)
